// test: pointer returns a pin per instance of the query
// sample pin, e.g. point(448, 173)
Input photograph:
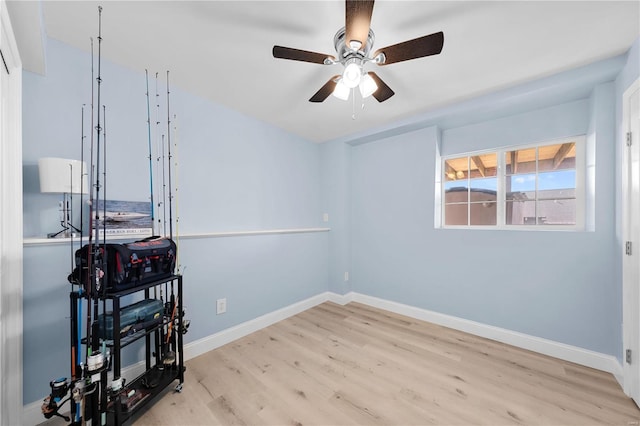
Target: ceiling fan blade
point(300, 55)
point(325, 90)
point(384, 92)
point(357, 21)
point(417, 48)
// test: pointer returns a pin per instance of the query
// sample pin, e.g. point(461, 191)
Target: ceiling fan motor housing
point(345, 52)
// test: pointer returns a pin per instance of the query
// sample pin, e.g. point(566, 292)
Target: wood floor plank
point(358, 365)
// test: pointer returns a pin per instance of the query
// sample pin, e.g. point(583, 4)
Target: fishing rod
point(103, 353)
point(160, 346)
point(104, 199)
point(97, 185)
point(82, 172)
point(81, 184)
point(159, 148)
point(72, 324)
point(164, 196)
point(170, 354)
point(98, 261)
point(175, 145)
point(169, 153)
point(92, 261)
point(153, 221)
point(99, 254)
point(76, 350)
point(90, 273)
point(77, 326)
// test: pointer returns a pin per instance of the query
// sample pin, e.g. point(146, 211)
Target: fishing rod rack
point(96, 389)
point(116, 401)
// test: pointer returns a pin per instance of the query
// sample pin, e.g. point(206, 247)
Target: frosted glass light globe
point(351, 75)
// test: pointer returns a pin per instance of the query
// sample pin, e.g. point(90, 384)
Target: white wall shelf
point(189, 236)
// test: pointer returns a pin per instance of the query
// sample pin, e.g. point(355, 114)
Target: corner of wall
point(437, 211)
point(335, 176)
point(30, 34)
point(600, 135)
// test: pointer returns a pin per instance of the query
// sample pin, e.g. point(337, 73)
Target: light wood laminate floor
point(354, 364)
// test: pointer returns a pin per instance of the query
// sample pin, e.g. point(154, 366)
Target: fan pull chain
point(353, 104)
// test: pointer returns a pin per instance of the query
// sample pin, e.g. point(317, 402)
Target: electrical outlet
point(346, 276)
point(325, 217)
point(221, 306)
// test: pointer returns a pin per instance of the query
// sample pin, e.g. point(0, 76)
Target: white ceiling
point(221, 50)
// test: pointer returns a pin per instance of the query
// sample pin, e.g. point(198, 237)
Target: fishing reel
point(179, 327)
point(184, 327)
point(51, 404)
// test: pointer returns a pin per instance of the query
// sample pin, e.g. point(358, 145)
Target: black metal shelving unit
point(105, 403)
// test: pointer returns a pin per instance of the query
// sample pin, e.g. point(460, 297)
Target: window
point(516, 187)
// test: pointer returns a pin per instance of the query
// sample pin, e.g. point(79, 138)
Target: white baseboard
point(562, 351)
point(340, 299)
point(32, 414)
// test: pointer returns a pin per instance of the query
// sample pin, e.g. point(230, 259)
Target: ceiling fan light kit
point(365, 83)
point(353, 44)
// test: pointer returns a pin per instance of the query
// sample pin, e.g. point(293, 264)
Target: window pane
point(521, 183)
point(521, 196)
point(488, 184)
point(557, 184)
point(484, 213)
point(483, 202)
point(456, 192)
point(456, 169)
point(520, 212)
point(482, 166)
point(521, 161)
point(557, 157)
point(456, 214)
point(557, 212)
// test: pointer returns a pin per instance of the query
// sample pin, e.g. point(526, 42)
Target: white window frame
point(581, 202)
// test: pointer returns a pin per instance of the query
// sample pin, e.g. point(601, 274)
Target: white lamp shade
point(367, 86)
point(351, 75)
point(59, 175)
point(341, 91)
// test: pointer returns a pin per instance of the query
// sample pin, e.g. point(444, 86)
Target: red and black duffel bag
point(128, 265)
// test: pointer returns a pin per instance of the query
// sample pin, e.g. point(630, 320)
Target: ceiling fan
point(353, 44)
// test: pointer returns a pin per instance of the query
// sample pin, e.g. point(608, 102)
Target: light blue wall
point(234, 171)
point(556, 285)
point(234, 174)
point(52, 128)
point(564, 120)
point(335, 160)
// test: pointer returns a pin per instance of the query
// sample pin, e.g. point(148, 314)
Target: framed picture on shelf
point(124, 217)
